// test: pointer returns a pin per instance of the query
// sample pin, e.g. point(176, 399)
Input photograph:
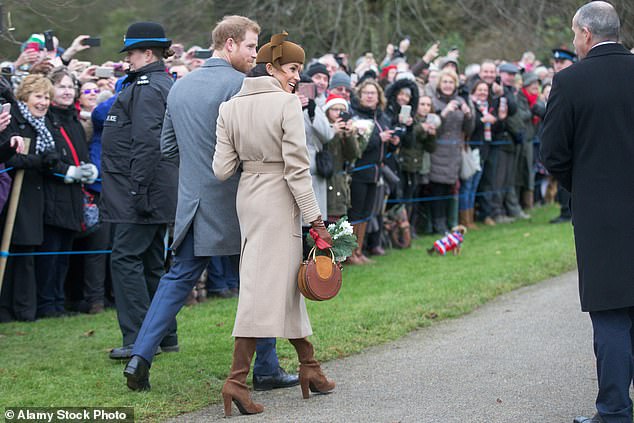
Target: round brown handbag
point(319, 277)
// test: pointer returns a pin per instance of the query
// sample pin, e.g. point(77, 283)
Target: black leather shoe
point(124, 353)
point(279, 380)
point(170, 348)
point(137, 371)
point(121, 353)
point(225, 293)
point(561, 219)
point(594, 419)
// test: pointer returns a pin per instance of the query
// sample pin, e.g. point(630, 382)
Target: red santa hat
point(334, 99)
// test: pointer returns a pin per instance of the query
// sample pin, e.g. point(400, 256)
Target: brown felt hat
point(280, 52)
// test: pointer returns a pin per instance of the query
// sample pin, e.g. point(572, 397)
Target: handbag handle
point(313, 252)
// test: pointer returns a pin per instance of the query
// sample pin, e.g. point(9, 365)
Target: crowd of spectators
point(425, 142)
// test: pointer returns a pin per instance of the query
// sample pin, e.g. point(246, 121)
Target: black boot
point(137, 371)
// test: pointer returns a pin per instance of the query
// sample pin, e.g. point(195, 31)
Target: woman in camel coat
point(262, 129)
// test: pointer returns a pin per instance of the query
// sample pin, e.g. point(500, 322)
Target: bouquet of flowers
point(343, 240)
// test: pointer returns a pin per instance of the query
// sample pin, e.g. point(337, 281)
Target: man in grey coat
point(206, 218)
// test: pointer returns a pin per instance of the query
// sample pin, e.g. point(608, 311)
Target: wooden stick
point(11, 212)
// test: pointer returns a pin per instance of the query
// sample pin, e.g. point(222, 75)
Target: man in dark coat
point(587, 145)
point(207, 224)
point(139, 185)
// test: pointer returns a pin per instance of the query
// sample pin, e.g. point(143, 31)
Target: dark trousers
point(170, 297)
point(50, 270)
point(222, 273)
point(563, 197)
point(86, 279)
point(613, 348)
point(440, 207)
point(18, 300)
point(362, 198)
point(501, 174)
point(138, 254)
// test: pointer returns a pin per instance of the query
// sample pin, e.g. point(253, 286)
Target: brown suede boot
point(463, 217)
point(528, 199)
point(360, 239)
point(471, 217)
point(310, 374)
point(235, 388)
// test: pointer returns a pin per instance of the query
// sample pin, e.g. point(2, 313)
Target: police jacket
point(138, 184)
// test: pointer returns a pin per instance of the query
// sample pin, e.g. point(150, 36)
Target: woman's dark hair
point(476, 84)
point(162, 53)
point(258, 70)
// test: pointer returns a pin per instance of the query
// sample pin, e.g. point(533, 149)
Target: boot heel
point(305, 387)
point(226, 398)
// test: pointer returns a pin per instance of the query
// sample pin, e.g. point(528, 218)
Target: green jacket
point(345, 150)
point(413, 158)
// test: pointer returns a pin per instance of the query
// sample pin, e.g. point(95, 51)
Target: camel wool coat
point(262, 129)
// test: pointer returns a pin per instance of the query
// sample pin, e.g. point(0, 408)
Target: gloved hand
point(73, 175)
point(50, 160)
point(319, 227)
point(311, 109)
point(141, 204)
point(89, 173)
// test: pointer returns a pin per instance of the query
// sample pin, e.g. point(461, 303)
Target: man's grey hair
point(601, 19)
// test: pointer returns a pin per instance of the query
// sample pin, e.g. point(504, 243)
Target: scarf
point(483, 107)
point(44, 139)
point(532, 99)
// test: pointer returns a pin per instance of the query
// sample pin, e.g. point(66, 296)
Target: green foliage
point(482, 29)
point(344, 241)
point(64, 362)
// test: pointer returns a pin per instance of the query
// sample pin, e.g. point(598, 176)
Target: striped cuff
point(307, 204)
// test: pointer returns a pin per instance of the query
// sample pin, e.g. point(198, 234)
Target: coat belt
point(254, 166)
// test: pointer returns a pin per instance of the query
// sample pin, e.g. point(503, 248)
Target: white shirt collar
point(603, 43)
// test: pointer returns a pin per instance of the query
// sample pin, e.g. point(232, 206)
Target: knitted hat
point(528, 78)
point(446, 60)
point(316, 68)
point(386, 69)
point(34, 38)
point(145, 35)
point(280, 52)
point(340, 79)
point(334, 99)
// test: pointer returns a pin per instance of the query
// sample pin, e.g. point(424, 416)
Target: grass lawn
point(64, 362)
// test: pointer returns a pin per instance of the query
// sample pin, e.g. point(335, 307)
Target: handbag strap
point(75, 158)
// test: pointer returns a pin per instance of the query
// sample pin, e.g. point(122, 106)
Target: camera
point(345, 116)
point(400, 131)
point(49, 44)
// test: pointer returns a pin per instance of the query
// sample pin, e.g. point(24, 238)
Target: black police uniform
point(139, 194)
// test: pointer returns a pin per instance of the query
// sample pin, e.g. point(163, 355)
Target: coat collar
point(259, 84)
point(606, 49)
point(214, 62)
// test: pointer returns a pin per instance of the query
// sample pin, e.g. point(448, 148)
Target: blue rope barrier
point(54, 253)
point(442, 197)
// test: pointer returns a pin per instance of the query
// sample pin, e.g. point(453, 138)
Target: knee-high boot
point(235, 388)
point(360, 239)
point(310, 374)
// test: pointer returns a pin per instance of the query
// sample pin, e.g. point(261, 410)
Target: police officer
point(139, 185)
point(562, 59)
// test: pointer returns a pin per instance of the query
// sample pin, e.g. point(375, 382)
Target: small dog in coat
point(450, 242)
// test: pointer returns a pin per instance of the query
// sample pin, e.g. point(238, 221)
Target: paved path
point(525, 357)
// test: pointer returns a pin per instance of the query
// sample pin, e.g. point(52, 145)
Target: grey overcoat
point(189, 131)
